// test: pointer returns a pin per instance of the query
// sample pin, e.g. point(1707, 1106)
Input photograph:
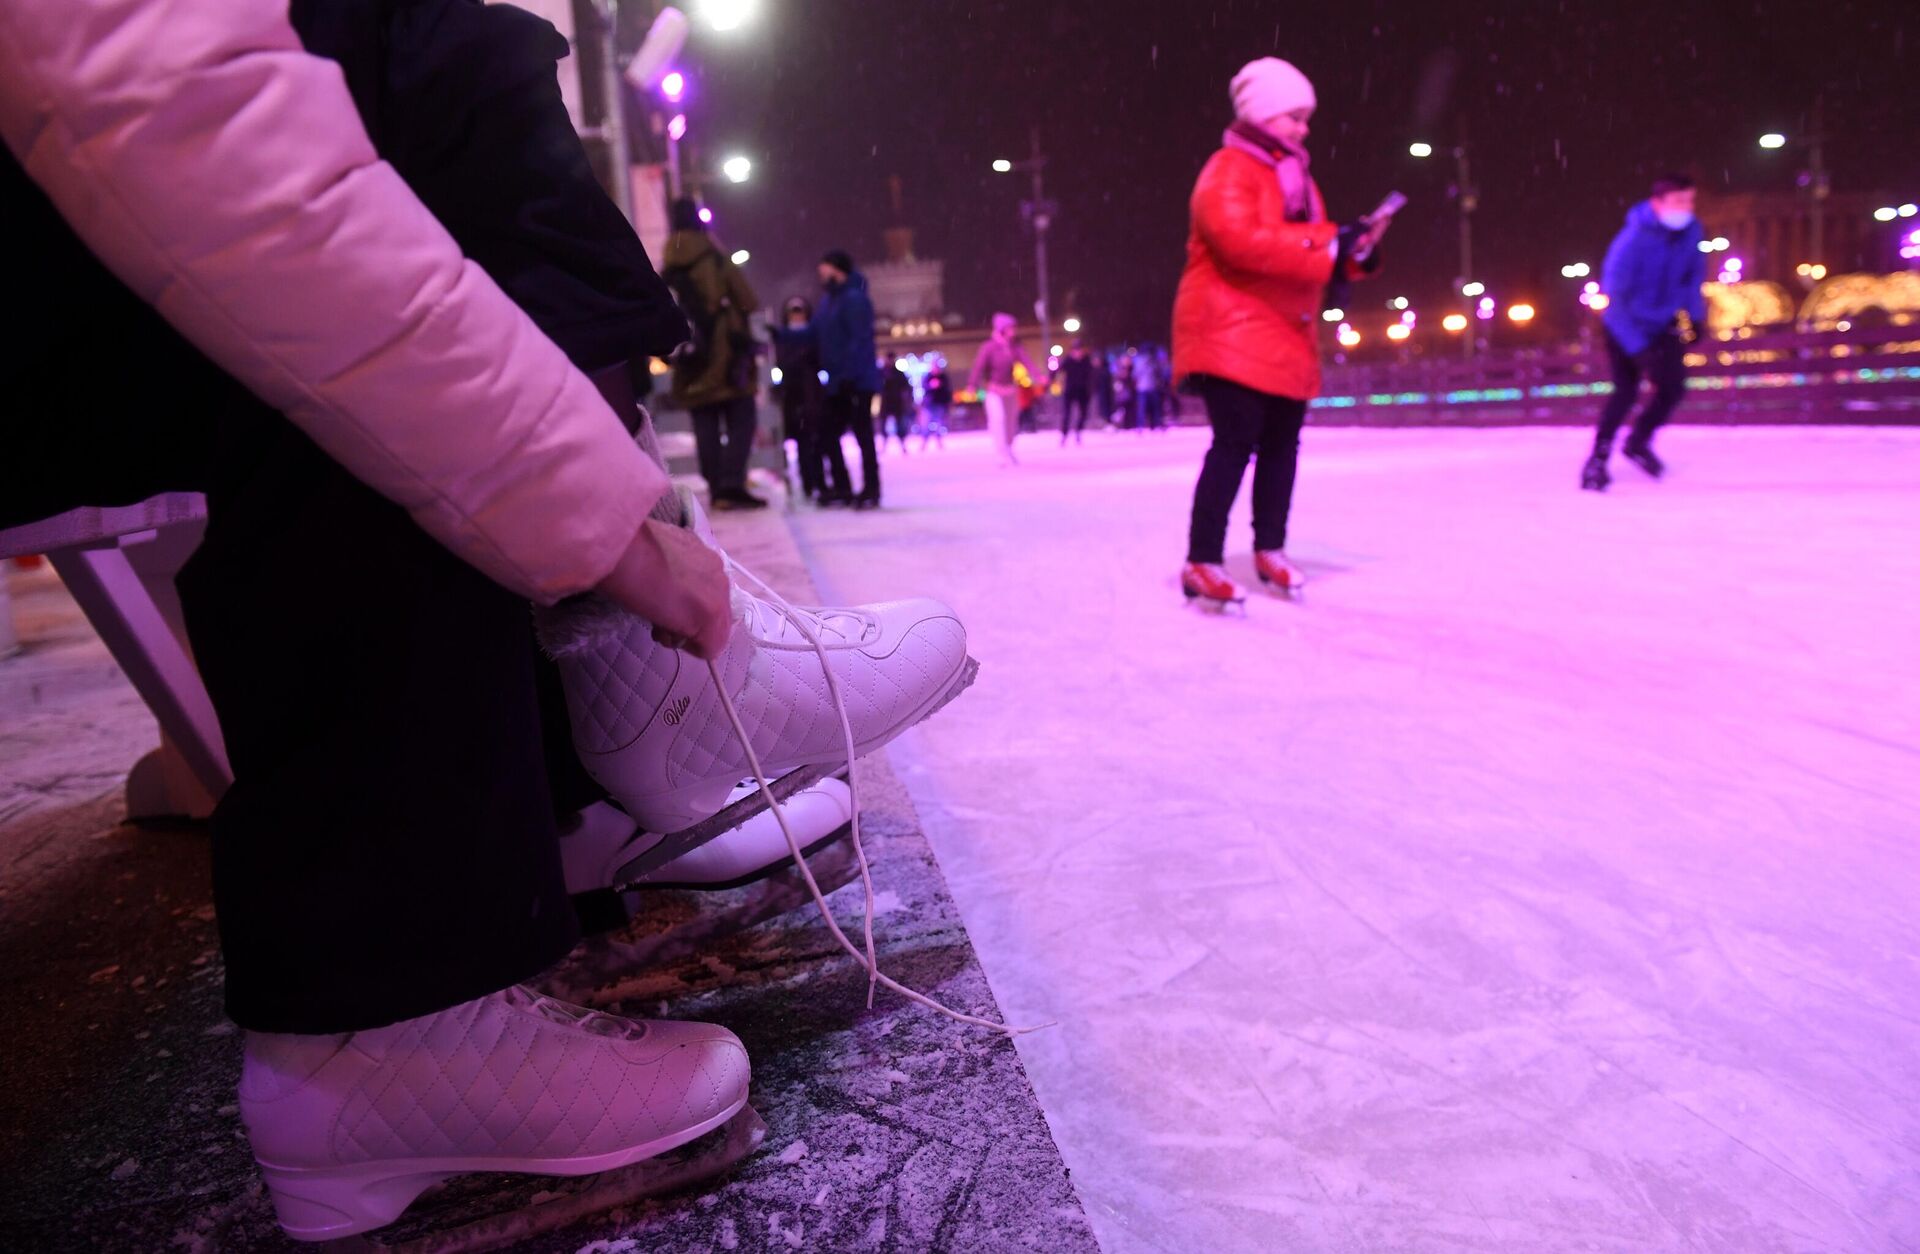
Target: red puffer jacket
point(1249, 303)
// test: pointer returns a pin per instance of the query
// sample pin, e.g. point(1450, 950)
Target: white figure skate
point(350, 1129)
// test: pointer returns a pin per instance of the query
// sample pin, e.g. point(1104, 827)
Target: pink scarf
point(1289, 164)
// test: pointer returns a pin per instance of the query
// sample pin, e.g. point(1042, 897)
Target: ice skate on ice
point(1594, 476)
point(600, 851)
point(350, 1129)
point(1643, 456)
point(650, 725)
point(1208, 586)
point(1281, 576)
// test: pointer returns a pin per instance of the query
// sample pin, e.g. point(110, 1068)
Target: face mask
point(1674, 219)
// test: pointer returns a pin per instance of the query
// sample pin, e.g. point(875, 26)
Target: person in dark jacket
point(842, 331)
point(896, 401)
point(938, 390)
point(714, 379)
point(1076, 390)
point(803, 397)
point(1653, 275)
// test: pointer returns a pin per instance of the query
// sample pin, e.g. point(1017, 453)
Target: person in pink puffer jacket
point(224, 175)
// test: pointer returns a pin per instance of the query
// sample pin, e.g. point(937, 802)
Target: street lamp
point(1420, 150)
point(1454, 324)
point(741, 257)
point(1039, 213)
point(674, 86)
point(1520, 313)
point(1468, 198)
point(1071, 326)
point(1814, 177)
point(737, 169)
point(1333, 315)
point(727, 15)
point(1578, 270)
point(1773, 139)
point(1474, 289)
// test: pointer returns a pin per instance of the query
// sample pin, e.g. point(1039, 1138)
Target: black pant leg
point(1236, 414)
point(388, 848)
point(1626, 390)
point(743, 423)
point(1666, 364)
point(711, 450)
point(1276, 469)
point(838, 418)
point(860, 420)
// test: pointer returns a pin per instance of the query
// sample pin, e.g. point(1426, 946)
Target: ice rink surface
point(1548, 880)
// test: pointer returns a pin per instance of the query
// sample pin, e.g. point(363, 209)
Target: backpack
point(698, 353)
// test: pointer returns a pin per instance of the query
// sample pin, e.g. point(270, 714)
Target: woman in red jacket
point(1245, 322)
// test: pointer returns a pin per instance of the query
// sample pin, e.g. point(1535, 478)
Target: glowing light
point(1886, 213)
point(1002, 166)
point(1706, 245)
point(1773, 139)
point(1348, 336)
point(1420, 150)
point(1599, 301)
point(1809, 270)
point(1454, 323)
point(1409, 318)
point(1071, 325)
point(1474, 289)
point(727, 14)
point(1720, 244)
point(1399, 331)
point(1400, 302)
point(1059, 351)
point(1485, 309)
point(1908, 210)
point(677, 129)
point(737, 169)
point(1592, 288)
point(1333, 315)
point(706, 216)
point(1520, 313)
point(742, 257)
point(778, 375)
point(1578, 270)
point(674, 86)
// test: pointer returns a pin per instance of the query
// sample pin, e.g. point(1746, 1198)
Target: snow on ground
point(1548, 880)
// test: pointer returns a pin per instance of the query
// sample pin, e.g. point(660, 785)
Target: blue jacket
point(1651, 274)
point(842, 329)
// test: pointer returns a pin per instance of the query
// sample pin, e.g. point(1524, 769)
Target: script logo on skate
point(676, 711)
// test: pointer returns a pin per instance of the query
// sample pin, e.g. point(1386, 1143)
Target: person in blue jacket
point(842, 330)
point(1653, 274)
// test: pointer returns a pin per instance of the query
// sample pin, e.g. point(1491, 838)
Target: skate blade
point(688, 839)
point(491, 1211)
point(676, 926)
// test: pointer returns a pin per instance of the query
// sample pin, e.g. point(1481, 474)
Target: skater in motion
point(1654, 274)
point(1076, 391)
point(803, 399)
point(378, 907)
point(994, 365)
point(896, 402)
point(1259, 259)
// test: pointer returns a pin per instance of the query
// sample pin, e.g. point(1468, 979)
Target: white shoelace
point(811, 626)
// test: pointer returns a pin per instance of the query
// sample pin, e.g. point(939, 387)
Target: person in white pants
point(994, 363)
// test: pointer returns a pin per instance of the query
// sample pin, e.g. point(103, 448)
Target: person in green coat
point(715, 376)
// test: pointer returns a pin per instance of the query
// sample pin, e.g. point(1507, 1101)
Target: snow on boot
point(350, 1129)
point(650, 726)
point(598, 853)
point(1277, 573)
point(1208, 585)
point(1594, 477)
point(1642, 455)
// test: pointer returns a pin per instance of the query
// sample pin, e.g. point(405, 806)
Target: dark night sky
point(1571, 106)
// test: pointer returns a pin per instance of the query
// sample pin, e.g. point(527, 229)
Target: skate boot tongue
point(611, 1026)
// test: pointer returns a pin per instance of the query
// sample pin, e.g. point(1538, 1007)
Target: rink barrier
point(1865, 375)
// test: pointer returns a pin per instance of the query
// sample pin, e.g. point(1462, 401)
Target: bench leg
point(136, 630)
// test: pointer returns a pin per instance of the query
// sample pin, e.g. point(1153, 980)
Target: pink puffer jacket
point(224, 175)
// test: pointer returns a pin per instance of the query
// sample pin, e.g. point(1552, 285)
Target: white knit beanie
point(1269, 87)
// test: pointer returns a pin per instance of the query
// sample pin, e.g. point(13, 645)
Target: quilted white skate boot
point(649, 724)
point(607, 844)
point(350, 1129)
